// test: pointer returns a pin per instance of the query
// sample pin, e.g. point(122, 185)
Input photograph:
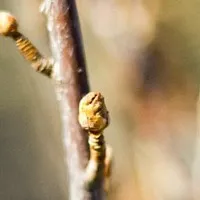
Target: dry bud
point(8, 23)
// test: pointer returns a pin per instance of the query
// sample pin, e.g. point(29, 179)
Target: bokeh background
point(144, 56)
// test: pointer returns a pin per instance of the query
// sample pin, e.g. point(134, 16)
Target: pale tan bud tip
point(93, 114)
point(8, 23)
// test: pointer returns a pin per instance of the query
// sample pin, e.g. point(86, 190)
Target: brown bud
point(8, 23)
point(93, 114)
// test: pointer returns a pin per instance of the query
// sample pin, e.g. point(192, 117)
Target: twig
point(9, 28)
point(70, 70)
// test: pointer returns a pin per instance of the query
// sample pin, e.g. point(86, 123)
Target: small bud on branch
point(9, 28)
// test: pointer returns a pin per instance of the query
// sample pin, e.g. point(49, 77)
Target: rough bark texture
point(70, 72)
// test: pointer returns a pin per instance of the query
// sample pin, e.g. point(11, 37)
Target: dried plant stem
point(31, 54)
point(70, 71)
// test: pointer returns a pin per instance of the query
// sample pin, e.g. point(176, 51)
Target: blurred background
point(144, 56)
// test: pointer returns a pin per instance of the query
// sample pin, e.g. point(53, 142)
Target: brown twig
point(70, 71)
point(9, 28)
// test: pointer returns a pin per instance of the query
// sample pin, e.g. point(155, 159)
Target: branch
point(70, 71)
